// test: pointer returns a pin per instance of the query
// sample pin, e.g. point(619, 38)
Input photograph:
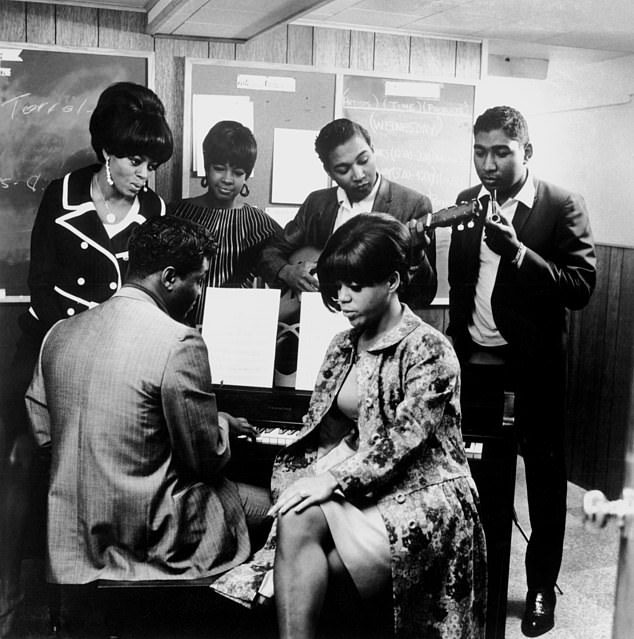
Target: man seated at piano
point(375, 498)
point(345, 150)
point(121, 396)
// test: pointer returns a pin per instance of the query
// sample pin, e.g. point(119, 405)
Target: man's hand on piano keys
point(305, 492)
point(239, 426)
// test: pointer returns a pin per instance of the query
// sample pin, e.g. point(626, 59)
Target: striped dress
point(240, 234)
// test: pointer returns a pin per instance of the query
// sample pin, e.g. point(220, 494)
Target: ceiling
point(587, 24)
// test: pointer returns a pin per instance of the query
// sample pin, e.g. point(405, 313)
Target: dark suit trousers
point(539, 388)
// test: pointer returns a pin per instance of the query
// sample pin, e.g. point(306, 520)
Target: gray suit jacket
point(122, 394)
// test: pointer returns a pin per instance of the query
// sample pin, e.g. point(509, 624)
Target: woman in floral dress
point(376, 493)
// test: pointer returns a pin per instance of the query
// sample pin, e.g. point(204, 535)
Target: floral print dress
point(410, 462)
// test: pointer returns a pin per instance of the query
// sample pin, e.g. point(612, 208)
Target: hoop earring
point(203, 182)
point(108, 174)
point(244, 191)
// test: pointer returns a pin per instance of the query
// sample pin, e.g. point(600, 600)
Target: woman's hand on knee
point(305, 492)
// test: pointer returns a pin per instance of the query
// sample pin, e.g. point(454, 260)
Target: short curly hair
point(510, 120)
point(229, 142)
point(336, 133)
point(168, 241)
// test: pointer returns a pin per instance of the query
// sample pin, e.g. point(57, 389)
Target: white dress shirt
point(483, 330)
point(348, 210)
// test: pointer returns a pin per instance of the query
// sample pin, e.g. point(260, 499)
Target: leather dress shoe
point(539, 614)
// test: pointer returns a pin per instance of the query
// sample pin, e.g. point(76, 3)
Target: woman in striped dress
point(229, 153)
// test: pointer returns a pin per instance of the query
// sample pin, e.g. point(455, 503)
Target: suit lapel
point(383, 197)
point(330, 216)
point(523, 212)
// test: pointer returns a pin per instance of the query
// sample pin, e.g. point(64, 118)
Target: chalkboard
point(421, 131)
point(46, 98)
point(281, 97)
point(422, 136)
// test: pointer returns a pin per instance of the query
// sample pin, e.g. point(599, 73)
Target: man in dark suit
point(345, 150)
point(529, 257)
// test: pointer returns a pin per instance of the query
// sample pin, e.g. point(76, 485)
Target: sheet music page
point(239, 328)
point(317, 327)
point(297, 170)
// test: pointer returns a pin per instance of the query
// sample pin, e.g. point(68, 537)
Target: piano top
point(279, 403)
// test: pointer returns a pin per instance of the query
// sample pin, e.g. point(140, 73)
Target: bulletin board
point(284, 99)
point(46, 97)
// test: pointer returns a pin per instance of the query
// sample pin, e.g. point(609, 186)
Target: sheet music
point(239, 328)
point(297, 170)
point(317, 327)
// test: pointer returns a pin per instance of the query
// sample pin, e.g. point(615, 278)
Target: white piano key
point(276, 436)
point(474, 450)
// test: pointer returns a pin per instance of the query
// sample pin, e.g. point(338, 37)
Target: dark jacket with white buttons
point(75, 265)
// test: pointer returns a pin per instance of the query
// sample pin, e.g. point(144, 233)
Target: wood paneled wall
point(601, 374)
point(602, 335)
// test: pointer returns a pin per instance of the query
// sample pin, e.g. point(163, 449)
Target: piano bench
point(112, 599)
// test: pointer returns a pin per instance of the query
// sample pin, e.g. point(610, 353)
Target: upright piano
point(489, 442)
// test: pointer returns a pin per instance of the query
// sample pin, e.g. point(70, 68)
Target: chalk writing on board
point(422, 139)
point(421, 133)
point(23, 105)
point(45, 105)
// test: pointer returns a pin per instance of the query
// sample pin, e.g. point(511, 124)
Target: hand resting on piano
point(274, 434)
point(237, 426)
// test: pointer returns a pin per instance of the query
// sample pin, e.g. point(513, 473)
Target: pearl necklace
point(111, 218)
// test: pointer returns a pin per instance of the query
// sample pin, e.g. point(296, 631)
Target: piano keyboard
point(283, 435)
point(474, 450)
point(278, 435)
